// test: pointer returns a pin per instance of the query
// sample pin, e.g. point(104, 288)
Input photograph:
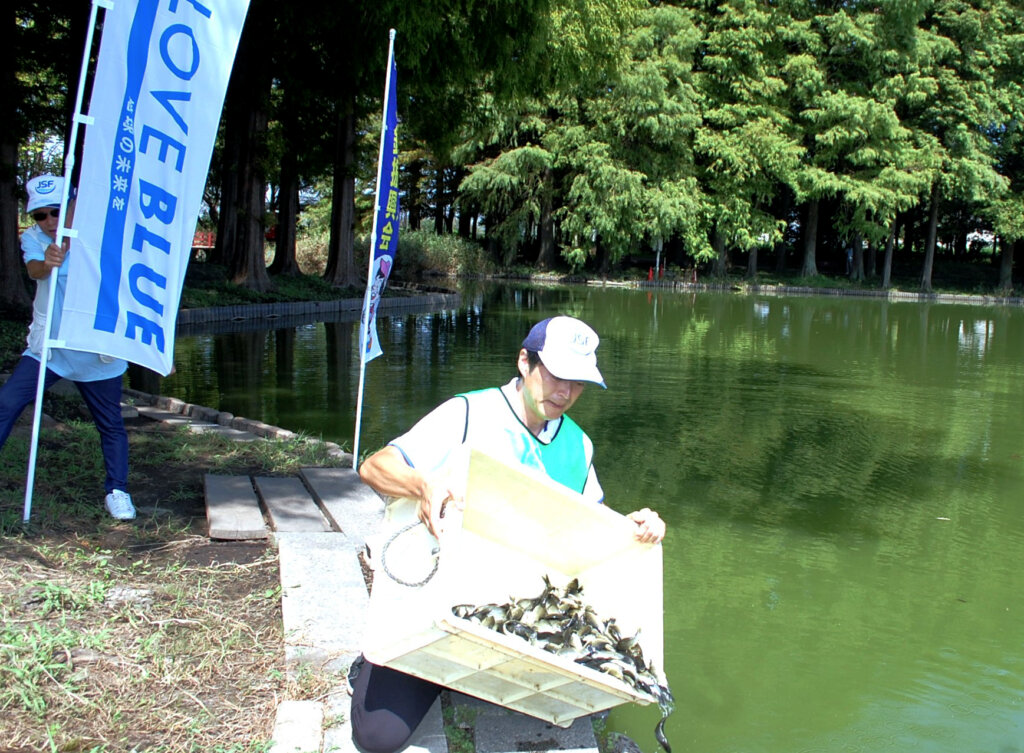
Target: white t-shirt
point(435, 446)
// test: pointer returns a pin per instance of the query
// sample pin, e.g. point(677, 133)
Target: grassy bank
point(142, 635)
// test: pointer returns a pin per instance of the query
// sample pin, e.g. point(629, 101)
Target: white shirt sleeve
point(429, 444)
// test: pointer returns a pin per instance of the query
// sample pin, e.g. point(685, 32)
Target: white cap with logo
point(44, 191)
point(567, 348)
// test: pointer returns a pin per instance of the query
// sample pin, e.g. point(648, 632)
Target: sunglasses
point(40, 216)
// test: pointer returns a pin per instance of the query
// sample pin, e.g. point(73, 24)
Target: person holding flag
point(98, 378)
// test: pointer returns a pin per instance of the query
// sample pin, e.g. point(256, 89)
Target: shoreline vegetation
point(146, 635)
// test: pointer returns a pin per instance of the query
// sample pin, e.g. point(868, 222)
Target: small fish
point(659, 734)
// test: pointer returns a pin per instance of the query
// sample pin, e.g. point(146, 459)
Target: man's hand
point(650, 528)
point(436, 501)
point(53, 257)
point(388, 473)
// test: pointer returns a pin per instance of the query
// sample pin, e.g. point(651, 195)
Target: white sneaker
point(119, 505)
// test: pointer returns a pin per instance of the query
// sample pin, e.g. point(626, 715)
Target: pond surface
point(843, 481)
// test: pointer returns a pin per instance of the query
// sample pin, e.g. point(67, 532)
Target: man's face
point(47, 219)
point(545, 396)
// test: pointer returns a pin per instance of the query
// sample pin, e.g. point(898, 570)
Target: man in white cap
point(98, 378)
point(523, 422)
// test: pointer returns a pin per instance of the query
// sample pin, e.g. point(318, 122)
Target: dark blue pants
point(387, 707)
point(103, 397)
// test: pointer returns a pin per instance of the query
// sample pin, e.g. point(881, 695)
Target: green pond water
point(843, 481)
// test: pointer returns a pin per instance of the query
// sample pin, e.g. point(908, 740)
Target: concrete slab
point(289, 505)
point(352, 506)
point(500, 730)
point(232, 509)
point(323, 599)
point(155, 414)
point(298, 727)
point(236, 435)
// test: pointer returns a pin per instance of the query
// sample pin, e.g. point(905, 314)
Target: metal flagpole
point(365, 318)
point(62, 234)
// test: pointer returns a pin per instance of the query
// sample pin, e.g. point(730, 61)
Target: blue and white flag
point(384, 243)
point(159, 87)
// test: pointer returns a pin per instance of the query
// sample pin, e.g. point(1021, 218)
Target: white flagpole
point(365, 318)
point(62, 233)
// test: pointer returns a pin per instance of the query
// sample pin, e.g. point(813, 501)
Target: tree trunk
point(78, 31)
point(240, 234)
point(439, 200)
point(780, 247)
point(603, 257)
point(720, 266)
point(810, 267)
point(890, 243)
point(929, 249)
point(284, 262)
point(857, 271)
point(341, 260)
point(465, 220)
point(14, 298)
point(1006, 265)
point(546, 255)
point(288, 201)
point(752, 263)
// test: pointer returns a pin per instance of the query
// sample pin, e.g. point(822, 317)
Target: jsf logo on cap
point(581, 342)
point(46, 186)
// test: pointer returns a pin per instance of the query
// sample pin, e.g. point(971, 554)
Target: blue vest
point(493, 427)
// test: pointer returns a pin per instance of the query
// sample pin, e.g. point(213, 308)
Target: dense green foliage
point(590, 134)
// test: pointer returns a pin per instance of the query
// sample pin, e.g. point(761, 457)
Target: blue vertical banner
point(384, 242)
point(160, 81)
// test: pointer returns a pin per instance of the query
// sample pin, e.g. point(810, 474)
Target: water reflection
point(843, 481)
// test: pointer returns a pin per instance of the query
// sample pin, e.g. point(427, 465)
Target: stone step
point(232, 508)
point(323, 600)
point(500, 730)
point(348, 503)
point(289, 505)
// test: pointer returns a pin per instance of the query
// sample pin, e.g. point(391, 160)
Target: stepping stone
point(232, 508)
point(350, 505)
point(501, 730)
point(297, 727)
point(289, 505)
point(323, 599)
point(155, 414)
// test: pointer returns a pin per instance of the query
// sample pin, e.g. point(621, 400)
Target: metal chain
point(384, 564)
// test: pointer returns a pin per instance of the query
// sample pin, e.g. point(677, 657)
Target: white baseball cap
point(44, 191)
point(567, 348)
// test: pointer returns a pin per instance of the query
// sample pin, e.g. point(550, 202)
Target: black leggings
point(387, 707)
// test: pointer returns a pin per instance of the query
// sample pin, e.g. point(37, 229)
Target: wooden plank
point(232, 509)
point(289, 505)
point(350, 505)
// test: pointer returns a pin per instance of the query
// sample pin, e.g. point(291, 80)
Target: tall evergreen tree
point(747, 146)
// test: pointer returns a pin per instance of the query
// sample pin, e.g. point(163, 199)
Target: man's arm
point(53, 258)
point(387, 472)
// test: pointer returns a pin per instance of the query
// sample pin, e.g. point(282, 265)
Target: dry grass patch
point(143, 635)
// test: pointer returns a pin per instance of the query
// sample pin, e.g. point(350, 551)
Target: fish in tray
point(559, 621)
